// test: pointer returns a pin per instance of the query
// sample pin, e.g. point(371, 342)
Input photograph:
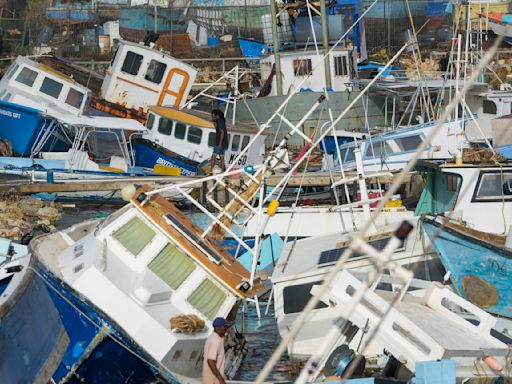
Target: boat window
point(380, 149)
point(211, 139)
point(207, 298)
point(51, 87)
point(349, 155)
point(134, 235)
point(410, 143)
point(180, 130)
point(494, 186)
point(340, 66)
point(194, 135)
point(131, 63)
point(490, 107)
point(245, 142)
point(302, 67)
point(235, 144)
point(165, 126)
point(27, 77)
point(150, 121)
point(295, 297)
point(74, 98)
point(172, 266)
point(11, 71)
point(155, 71)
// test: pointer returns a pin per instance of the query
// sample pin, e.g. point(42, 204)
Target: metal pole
point(275, 40)
point(325, 38)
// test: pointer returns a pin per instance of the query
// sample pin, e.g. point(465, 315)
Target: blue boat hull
point(480, 270)
point(32, 337)
point(149, 154)
point(99, 351)
point(21, 125)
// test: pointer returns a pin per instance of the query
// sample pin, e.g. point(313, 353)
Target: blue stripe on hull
point(464, 256)
point(147, 156)
point(98, 350)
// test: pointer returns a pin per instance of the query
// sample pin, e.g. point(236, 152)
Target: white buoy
point(127, 192)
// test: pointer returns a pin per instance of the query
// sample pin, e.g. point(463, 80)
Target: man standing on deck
point(213, 359)
point(221, 137)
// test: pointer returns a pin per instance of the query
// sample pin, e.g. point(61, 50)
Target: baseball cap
point(221, 322)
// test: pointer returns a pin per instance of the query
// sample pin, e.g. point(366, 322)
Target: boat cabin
point(481, 195)
point(140, 76)
point(38, 86)
point(392, 150)
point(191, 134)
point(296, 65)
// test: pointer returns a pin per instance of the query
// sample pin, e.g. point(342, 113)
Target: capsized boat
point(138, 291)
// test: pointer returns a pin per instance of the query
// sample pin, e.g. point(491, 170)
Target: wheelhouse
point(36, 85)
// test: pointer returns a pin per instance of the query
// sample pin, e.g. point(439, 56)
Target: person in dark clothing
point(443, 64)
point(221, 137)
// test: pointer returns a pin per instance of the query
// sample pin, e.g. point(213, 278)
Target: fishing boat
point(138, 291)
point(296, 66)
point(417, 321)
point(184, 139)
point(478, 263)
point(33, 338)
point(392, 150)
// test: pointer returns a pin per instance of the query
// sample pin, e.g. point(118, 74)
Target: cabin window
point(74, 98)
point(494, 186)
point(12, 71)
point(165, 126)
point(340, 66)
point(380, 149)
point(27, 77)
point(235, 144)
point(490, 107)
point(245, 142)
point(195, 135)
point(295, 297)
point(134, 236)
point(131, 63)
point(410, 143)
point(211, 139)
point(172, 266)
point(207, 298)
point(155, 71)
point(180, 130)
point(51, 87)
point(302, 67)
point(150, 121)
point(349, 154)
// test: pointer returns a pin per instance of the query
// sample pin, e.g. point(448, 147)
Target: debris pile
point(19, 215)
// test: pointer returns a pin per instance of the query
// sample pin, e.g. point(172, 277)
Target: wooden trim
point(136, 84)
point(229, 272)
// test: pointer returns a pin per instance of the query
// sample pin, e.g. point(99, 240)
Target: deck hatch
point(210, 252)
point(134, 235)
point(172, 266)
point(207, 298)
point(332, 255)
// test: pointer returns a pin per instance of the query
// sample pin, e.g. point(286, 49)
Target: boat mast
point(325, 40)
point(275, 41)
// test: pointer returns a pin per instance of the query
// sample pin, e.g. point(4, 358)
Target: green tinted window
point(172, 266)
point(134, 235)
point(207, 298)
